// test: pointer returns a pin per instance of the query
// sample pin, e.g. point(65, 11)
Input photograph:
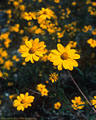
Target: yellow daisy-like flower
point(64, 57)
point(40, 87)
point(57, 105)
point(32, 50)
point(45, 13)
point(77, 103)
point(53, 77)
point(23, 101)
point(44, 92)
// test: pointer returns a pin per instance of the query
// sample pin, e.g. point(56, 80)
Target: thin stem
point(81, 91)
point(35, 92)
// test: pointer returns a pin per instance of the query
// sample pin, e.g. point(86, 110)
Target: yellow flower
point(4, 35)
point(1, 74)
point(9, 11)
point(94, 4)
point(15, 58)
point(94, 32)
point(57, 105)
point(8, 64)
point(24, 63)
point(23, 101)
point(14, 28)
point(60, 35)
point(72, 44)
point(1, 60)
point(74, 3)
point(39, 1)
point(93, 101)
point(45, 13)
point(42, 88)
point(64, 57)
point(4, 54)
point(44, 92)
point(32, 50)
point(56, 1)
point(77, 103)
point(22, 7)
point(7, 42)
point(28, 16)
point(53, 77)
point(12, 96)
point(16, 4)
point(92, 42)
point(25, 38)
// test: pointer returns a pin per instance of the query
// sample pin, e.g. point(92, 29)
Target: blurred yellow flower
point(7, 42)
point(32, 50)
point(14, 28)
point(4, 35)
point(8, 64)
point(92, 42)
point(64, 57)
point(77, 103)
point(93, 4)
point(28, 16)
point(57, 105)
point(1, 74)
point(56, 1)
point(15, 58)
point(22, 7)
point(16, 3)
point(1, 60)
point(94, 32)
point(72, 44)
point(23, 101)
point(25, 38)
point(74, 3)
point(12, 96)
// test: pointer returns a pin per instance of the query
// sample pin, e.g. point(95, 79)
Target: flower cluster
point(40, 43)
point(42, 89)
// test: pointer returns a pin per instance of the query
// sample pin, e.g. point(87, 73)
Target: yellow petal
point(60, 48)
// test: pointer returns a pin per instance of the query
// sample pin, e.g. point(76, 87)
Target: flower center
point(23, 101)
point(64, 56)
point(32, 50)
